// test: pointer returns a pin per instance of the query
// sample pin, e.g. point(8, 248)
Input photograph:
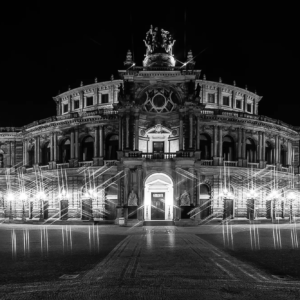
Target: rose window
point(159, 100)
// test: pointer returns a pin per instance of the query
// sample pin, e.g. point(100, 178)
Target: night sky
point(48, 47)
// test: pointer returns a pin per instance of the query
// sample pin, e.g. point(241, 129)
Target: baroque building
point(160, 143)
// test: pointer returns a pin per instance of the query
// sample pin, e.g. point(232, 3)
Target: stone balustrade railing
point(206, 162)
point(229, 163)
point(85, 164)
point(252, 165)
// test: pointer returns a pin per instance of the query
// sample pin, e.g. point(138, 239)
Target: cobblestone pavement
point(163, 263)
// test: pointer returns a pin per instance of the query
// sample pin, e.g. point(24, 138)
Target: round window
point(159, 100)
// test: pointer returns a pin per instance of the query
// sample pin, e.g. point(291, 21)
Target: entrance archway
point(158, 197)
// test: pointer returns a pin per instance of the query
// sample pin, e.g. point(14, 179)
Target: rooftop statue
point(158, 43)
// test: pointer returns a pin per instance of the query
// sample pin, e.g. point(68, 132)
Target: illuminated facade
point(160, 143)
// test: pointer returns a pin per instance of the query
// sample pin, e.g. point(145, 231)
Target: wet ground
point(153, 262)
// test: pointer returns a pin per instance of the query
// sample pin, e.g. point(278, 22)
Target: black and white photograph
point(149, 150)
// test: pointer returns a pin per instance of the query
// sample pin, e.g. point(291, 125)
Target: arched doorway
point(65, 151)
point(228, 148)
point(205, 146)
point(46, 154)
point(87, 146)
point(158, 197)
point(269, 157)
point(250, 151)
point(205, 201)
point(111, 147)
point(283, 156)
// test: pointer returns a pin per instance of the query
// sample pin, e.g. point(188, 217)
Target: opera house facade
point(161, 143)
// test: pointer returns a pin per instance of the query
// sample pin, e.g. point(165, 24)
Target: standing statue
point(149, 48)
point(132, 199)
point(185, 199)
point(169, 47)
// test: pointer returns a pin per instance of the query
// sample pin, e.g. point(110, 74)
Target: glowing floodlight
point(63, 194)
point(226, 194)
point(10, 196)
point(41, 195)
point(92, 193)
point(291, 196)
point(274, 194)
point(252, 194)
point(23, 196)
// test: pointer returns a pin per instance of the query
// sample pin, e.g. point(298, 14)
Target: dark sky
point(50, 46)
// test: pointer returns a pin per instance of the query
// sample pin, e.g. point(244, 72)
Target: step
point(159, 223)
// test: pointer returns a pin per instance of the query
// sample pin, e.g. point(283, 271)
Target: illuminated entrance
point(158, 197)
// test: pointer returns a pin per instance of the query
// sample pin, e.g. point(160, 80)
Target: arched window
point(65, 151)
point(205, 146)
point(283, 156)
point(111, 147)
point(87, 149)
point(46, 154)
point(250, 151)
point(269, 153)
point(228, 148)
point(31, 156)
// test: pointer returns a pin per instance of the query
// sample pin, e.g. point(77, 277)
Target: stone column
point(96, 146)
point(245, 103)
point(55, 156)
point(96, 96)
point(81, 100)
point(233, 98)
point(72, 144)
point(220, 154)
point(136, 146)
point(127, 131)
point(37, 150)
point(259, 147)
point(204, 93)
point(276, 160)
point(215, 154)
point(263, 150)
point(240, 163)
point(180, 134)
point(70, 103)
point(101, 142)
point(51, 147)
point(26, 153)
point(219, 96)
point(140, 191)
point(116, 91)
point(126, 183)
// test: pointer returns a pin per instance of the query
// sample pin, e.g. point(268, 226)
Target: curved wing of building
point(158, 144)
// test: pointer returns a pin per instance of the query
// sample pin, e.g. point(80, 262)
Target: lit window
point(66, 108)
point(89, 101)
point(226, 100)
point(248, 107)
point(211, 98)
point(104, 98)
point(238, 104)
point(76, 104)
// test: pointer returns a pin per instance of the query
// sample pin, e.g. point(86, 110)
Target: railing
point(46, 167)
point(206, 162)
point(63, 166)
point(134, 154)
point(229, 163)
point(284, 169)
point(252, 165)
point(110, 163)
point(270, 166)
point(29, 170)
point(85, 163)
point(165, 155)
point(185, 154)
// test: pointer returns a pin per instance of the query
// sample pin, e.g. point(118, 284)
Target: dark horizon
point(49, 49)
